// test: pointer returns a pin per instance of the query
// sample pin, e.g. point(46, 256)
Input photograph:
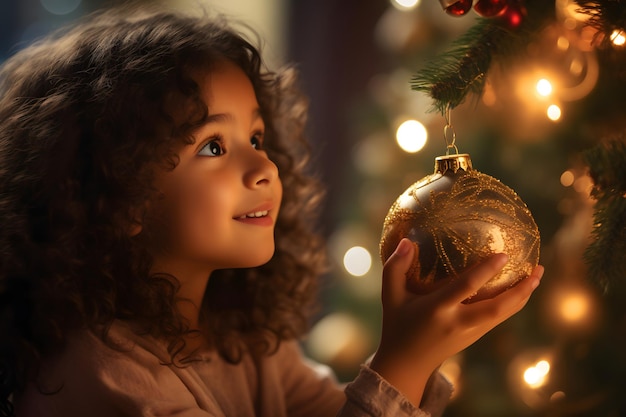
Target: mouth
point(254, 215)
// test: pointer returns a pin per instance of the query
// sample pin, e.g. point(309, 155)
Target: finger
point(519, 295)
point(395, 270)
point(506, 304)
point(471, 280)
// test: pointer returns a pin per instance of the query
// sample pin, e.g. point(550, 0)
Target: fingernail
point(537, 280)
point(502, 259)
point(403, 247)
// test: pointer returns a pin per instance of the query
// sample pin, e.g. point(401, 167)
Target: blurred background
point(373, 136)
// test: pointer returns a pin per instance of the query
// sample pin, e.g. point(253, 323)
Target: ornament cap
point(454, 163)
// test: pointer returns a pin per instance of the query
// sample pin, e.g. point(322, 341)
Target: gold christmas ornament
point(458, 217)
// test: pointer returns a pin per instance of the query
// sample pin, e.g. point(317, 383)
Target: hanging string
point(449, 135)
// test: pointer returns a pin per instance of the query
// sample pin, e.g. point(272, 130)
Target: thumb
point(395, 270)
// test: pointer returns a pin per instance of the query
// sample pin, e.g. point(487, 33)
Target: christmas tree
point(534, 90)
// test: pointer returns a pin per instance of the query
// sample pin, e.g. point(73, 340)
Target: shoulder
point(124, 377)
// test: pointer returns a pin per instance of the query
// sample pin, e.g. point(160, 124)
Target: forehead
point(226, 83)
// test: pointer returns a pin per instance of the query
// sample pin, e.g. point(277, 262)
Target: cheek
point(202, 205)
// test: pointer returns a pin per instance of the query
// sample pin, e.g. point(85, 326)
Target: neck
point(193, 281)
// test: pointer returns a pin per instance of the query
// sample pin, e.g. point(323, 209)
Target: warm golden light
point(574, 307)
point(536, 376)
point(411, 136)
point(583, 184)
point(567, 178)
point(544, 87)
point(554, 112)
point(618, 38)
point(405, 4)
point(339, 339)
point(357, 261)
point(562, 43)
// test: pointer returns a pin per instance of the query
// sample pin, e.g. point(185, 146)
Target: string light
point(618, 38)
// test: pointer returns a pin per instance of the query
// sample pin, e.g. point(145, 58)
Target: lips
point(259, 215)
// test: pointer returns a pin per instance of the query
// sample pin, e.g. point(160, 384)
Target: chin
point(261, 259)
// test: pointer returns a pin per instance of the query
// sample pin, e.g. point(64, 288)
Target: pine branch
point(605, 255)
point(606, 16)
point(463, 69)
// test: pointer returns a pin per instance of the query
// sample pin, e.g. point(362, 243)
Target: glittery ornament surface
point(458, 218)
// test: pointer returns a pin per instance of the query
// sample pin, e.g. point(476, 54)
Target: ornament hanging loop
point(449, 135)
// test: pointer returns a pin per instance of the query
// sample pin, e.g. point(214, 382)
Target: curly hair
point(86, 116)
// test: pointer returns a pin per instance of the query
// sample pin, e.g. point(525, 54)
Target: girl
point(157, 258)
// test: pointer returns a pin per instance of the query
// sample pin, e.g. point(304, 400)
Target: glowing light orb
point(405, 4)
point(544, 87)
point(567, 178)
point(535, 376)
point(574, 308)
point(357, 261)
point(618, 38)
point(554, 112)
point(411, 136)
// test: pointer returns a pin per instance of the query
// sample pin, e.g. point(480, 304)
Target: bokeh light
point(536, 375)
point(405, 4)
point(567, 178)
point(411, 136)
point(574, 307)
point(357, 261)
point(60, 7)
point(618, 38)
point(553, 112)
point(340, 340)
point(544, 87)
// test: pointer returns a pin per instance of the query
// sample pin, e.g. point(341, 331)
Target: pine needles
point(462, 70)
point(606, 255)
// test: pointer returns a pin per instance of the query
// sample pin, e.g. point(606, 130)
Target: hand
point(421, 331)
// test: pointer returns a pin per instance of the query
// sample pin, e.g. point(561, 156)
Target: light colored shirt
point(90, 379)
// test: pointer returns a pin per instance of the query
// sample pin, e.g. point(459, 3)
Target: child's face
point(221, 201)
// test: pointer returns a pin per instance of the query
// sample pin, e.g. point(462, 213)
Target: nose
point(260, 171)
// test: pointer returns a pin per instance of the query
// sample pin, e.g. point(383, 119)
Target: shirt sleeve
point(312, 390)
point(370, 395)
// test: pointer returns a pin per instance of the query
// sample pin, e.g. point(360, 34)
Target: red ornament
point(456, 8)
point(513, 15)
point(490, 8)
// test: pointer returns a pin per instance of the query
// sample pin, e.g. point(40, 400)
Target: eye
point(212, 148)
point(257, 141)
